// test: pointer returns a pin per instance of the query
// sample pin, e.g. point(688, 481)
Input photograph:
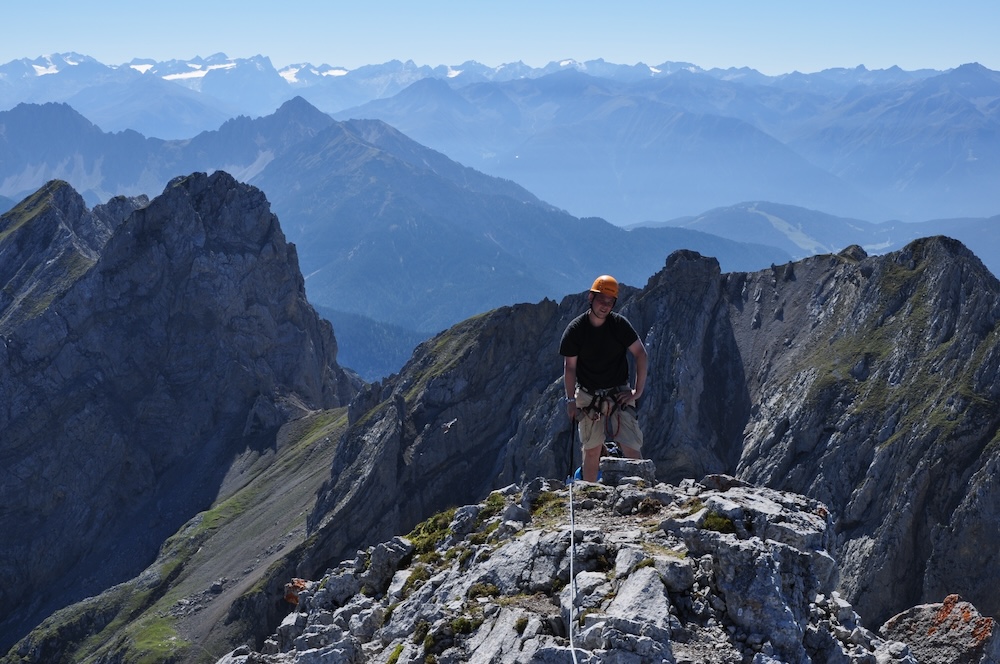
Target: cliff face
point(874, 384)
point(131, 384)
point(864, 382)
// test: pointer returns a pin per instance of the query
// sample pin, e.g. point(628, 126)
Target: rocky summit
point(715, 571)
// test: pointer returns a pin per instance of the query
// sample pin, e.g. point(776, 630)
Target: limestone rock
point(950, 632)
point(590, 588)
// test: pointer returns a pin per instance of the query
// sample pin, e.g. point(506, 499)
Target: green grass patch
point(428, 534)
point(444, 352)
point(396, 652)
point(494, 505)
point(483, 536)
point(482, 590)
point(465, 625)
point(25, 212)
point(549, 506)
point(654, 549)
point(433, 558)
point(418, 576)
point(645, 562)
point(719, 523)
point(420, 631)
point(70, 266)
point(156, 641)
point(690, 506)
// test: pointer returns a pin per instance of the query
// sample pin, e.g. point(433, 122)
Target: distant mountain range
point(415, 238)
point(385, 228)
point(634, 151)
point(628, 143)
point(802, 232)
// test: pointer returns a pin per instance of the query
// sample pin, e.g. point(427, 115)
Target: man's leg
point(591, 441)
point(631, 452)
point(591, 436)
point(630, 435)
point(591, 463)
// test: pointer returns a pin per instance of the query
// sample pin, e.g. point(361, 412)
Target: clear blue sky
point(774, 37)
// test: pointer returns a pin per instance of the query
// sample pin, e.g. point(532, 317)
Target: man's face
point(601, 304)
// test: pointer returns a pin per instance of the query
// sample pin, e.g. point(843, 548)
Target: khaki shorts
point(598, 425)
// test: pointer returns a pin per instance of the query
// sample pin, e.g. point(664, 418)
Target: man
point(595, 376)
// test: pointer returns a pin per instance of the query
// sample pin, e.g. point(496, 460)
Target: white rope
point(572, 556)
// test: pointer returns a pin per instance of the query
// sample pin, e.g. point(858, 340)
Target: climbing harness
point(603, 403)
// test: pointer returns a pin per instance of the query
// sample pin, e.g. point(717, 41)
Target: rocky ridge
point(869, 383)
point(139, 383)
point(361, 199)
point(865, 383)
point(716, 571)
point(46, 246)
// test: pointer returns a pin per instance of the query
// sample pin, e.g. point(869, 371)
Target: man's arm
point(569, 384)
point(641, 361)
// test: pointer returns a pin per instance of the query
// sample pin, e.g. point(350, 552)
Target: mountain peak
point(47, 242)
point(298, 107)
point(179, 347)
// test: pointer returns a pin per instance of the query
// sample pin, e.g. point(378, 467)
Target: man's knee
point(631, 452)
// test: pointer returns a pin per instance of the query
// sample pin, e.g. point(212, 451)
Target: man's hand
point(571, 409)
point(625, 397)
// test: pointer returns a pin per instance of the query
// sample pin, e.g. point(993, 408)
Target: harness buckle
point(602, 402)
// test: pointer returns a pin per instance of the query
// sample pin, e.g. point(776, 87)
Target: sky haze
point(772, 36)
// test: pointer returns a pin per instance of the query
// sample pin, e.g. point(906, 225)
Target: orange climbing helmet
point(606, 285)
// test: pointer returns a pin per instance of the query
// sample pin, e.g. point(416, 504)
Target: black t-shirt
point(600, 351)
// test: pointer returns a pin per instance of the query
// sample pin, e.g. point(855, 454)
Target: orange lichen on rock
point(946, 608)
point(983, 630)
point(947, 618)
point(292, 590)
